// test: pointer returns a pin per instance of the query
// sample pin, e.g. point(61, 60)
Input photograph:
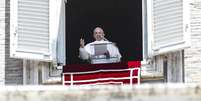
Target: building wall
point(2, 42)
point(183, 66)
point(148, 92)
point(192, 55)
point(13, 67)
point(10, 69)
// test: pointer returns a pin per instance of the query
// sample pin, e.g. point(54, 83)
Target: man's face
point(98, 34)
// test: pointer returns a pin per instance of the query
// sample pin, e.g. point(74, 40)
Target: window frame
point(154, 51)
point(54, 16)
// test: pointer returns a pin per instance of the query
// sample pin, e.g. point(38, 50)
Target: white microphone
point(105, 39)
point(108, 40)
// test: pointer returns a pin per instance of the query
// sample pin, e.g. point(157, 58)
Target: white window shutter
point(34, 29)
point(61, 57)
point(169, 22)
point(56, 11)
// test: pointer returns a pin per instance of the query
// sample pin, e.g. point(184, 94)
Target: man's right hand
point(82, 43)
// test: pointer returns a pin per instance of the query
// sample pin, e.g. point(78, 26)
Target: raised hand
point(82, 43)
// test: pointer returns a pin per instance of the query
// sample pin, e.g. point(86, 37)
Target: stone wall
point(10, 69)
point(174, 70)
point(192, 55)
point(13, 67)
point(156, 92)
point(2, 42)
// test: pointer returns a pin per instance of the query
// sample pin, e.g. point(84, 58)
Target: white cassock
point(88, 51)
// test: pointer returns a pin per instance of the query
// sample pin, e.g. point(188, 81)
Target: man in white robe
point(86, 52)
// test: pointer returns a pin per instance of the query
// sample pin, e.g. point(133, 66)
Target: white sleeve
point(114, 52)
point(118, 54)
point(83, 54)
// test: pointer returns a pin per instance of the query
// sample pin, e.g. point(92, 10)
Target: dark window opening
point(121, 21)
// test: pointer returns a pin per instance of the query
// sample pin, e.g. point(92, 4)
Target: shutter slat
point(30, 10)
point(33, 40)
point(32, 5)
point(168, 22)
point(164, 5)
point(170, 36)
point(27, 50)
point(33, 20)
point(34, 28)
point(168, 25)
point(30, 32)
point(171, 27)
point(34, 2)
point(33, 25)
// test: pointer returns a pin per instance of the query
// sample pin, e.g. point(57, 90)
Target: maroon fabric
point(110, 73)
point(67, 77)
point(89, 76)
point(98, 75)
point(94, 67)
point(125, 81)
point(134, 64)
point(135, 72)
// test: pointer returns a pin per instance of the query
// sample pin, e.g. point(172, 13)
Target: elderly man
point(87, 52)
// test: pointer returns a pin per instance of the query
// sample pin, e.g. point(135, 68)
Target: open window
point(168, 25)
point(121, 21)
point(34, 29)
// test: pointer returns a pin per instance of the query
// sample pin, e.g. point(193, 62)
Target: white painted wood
point(2, 42)
point(34, 29)
point(192, 55)
point(175, 67)
point(24, 72)
point(55, 9)
point(61, 42)
point(30, 29)
point(168, 25)
point(145, 30)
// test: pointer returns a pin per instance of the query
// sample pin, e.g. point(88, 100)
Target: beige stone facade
point(156, 92)
point(193, 55)
point(11, 70)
